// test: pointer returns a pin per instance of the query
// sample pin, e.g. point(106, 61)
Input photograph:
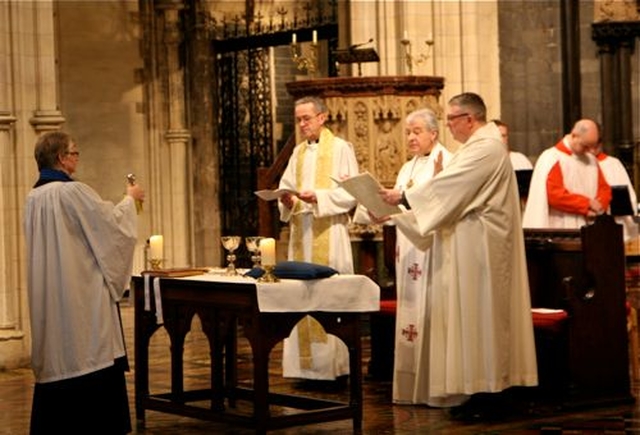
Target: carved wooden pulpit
point(369, 112)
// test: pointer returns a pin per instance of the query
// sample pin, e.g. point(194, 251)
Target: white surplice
point(580, 176)
point(80, 255)
point(412, 265)
point(478, 314)
point(616, 175)
point(519, 161)
point(331, 358)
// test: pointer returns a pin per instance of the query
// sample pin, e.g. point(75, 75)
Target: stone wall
point(530, 72)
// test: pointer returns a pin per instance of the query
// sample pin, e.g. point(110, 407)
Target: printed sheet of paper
point(365, 188)
point(270, 195)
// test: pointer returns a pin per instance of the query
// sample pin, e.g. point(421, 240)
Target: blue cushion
point(296, 270)
point(255, 272)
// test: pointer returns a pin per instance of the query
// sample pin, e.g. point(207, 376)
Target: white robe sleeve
point(288, 181)
point(458, 190)
point(110, 230)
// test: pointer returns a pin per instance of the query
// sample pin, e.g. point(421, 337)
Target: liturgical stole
point(309, 330)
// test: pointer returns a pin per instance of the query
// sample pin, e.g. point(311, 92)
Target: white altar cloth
point(342, 293)
point(338, 293)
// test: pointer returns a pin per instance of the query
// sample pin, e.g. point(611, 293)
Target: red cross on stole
point(410, 332)
point(414, 271)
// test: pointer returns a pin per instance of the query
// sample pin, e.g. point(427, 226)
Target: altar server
point(79, 260)
point(568, 188)
point(616, 175)
point(318, 219)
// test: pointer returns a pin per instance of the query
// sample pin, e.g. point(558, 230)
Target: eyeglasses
point(459, 115)
point(73, 153)
point(305, 119)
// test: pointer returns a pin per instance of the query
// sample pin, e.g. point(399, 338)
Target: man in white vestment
point(412, 264)
point(616, 175)
point(568, 188)
point(79, 260)
point(478, 325)
point(518, 160)
point(318, 219)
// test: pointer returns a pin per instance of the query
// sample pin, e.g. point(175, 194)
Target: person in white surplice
point(428, 158)
point(318, 219)
point(568, 189)
point(478, 333)
point(79, 251)
point(518, 160)
point(616, 175)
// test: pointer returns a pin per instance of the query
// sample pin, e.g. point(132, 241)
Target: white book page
point(365, 189)
point(270, 195)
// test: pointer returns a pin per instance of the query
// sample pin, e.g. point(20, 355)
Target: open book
point(364, 188)
point(270, 195)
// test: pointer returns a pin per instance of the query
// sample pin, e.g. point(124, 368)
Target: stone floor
point(380, 416)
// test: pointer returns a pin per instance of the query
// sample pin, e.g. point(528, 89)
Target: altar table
point(266, 313)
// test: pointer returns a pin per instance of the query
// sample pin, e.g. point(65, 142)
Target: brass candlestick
point(410, 59)
point(268, 276)
point(308, 62)
point(156, 263)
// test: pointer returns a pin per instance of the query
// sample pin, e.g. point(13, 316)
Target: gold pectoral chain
point(410, 182)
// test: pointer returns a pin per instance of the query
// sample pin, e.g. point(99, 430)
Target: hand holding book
point(366, 190)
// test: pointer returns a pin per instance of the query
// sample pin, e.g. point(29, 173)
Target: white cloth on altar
point(338, 293)
point(330, 359)
point(479, 314)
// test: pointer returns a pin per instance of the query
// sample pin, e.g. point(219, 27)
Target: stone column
point(46, 115)
point(8, 228)
point(174, 168)
point(625, 142)
point(7, 119)
point(571, 79)
point(28, 106)
point(616, 41)
point(609, 95)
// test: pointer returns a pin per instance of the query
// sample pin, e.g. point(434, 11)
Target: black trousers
point(95, 403)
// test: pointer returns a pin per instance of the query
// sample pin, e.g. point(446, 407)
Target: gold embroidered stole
point(320, 226)
point(309, 330)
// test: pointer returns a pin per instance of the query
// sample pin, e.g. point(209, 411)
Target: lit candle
point(406, 35)
point(315, 37)
point(294, 39)
point(268, 251)
point(156, 247)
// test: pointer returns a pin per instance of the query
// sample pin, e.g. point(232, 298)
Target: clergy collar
point(49, 175)
point(564, 146)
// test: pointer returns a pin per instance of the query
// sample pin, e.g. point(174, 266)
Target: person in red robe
point(568, 188)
